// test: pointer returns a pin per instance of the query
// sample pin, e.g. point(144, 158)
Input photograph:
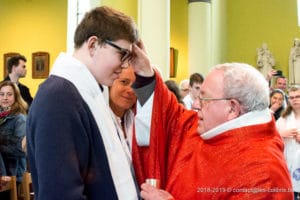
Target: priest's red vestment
point(242, 163)
point(170, 123)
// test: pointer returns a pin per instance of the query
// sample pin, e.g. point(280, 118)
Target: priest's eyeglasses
point(204, 101)
point(125, 53)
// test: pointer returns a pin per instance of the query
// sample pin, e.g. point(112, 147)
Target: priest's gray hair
point(245, 84)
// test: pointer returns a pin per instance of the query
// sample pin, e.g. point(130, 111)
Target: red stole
point(170, 124)
point(243, 163)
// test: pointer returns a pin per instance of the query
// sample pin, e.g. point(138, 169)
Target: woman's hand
point(4, 180)
point(275, 106)
point(289, 133)
point(151, 193)
point(297, 137)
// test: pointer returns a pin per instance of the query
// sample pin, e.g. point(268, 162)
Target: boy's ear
point(92, 43)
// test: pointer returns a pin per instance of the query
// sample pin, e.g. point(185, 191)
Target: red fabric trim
point(170, 124)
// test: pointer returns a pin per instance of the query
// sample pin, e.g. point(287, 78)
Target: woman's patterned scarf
point(4, 112)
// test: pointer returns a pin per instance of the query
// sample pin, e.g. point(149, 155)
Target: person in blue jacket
point(12, 132)
point(12, 129)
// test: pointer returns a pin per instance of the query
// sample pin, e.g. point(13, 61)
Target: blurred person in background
point(16, 67)
point(173, 87)
point(12, 130)
point(289, 128)
point(277, 102)
point(184, 87)
point(195, 83)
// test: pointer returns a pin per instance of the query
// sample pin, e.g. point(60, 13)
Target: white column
point(219, 32)
point(154, 29)
point(94, 3)
point(199, 32)
point(76, 11)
